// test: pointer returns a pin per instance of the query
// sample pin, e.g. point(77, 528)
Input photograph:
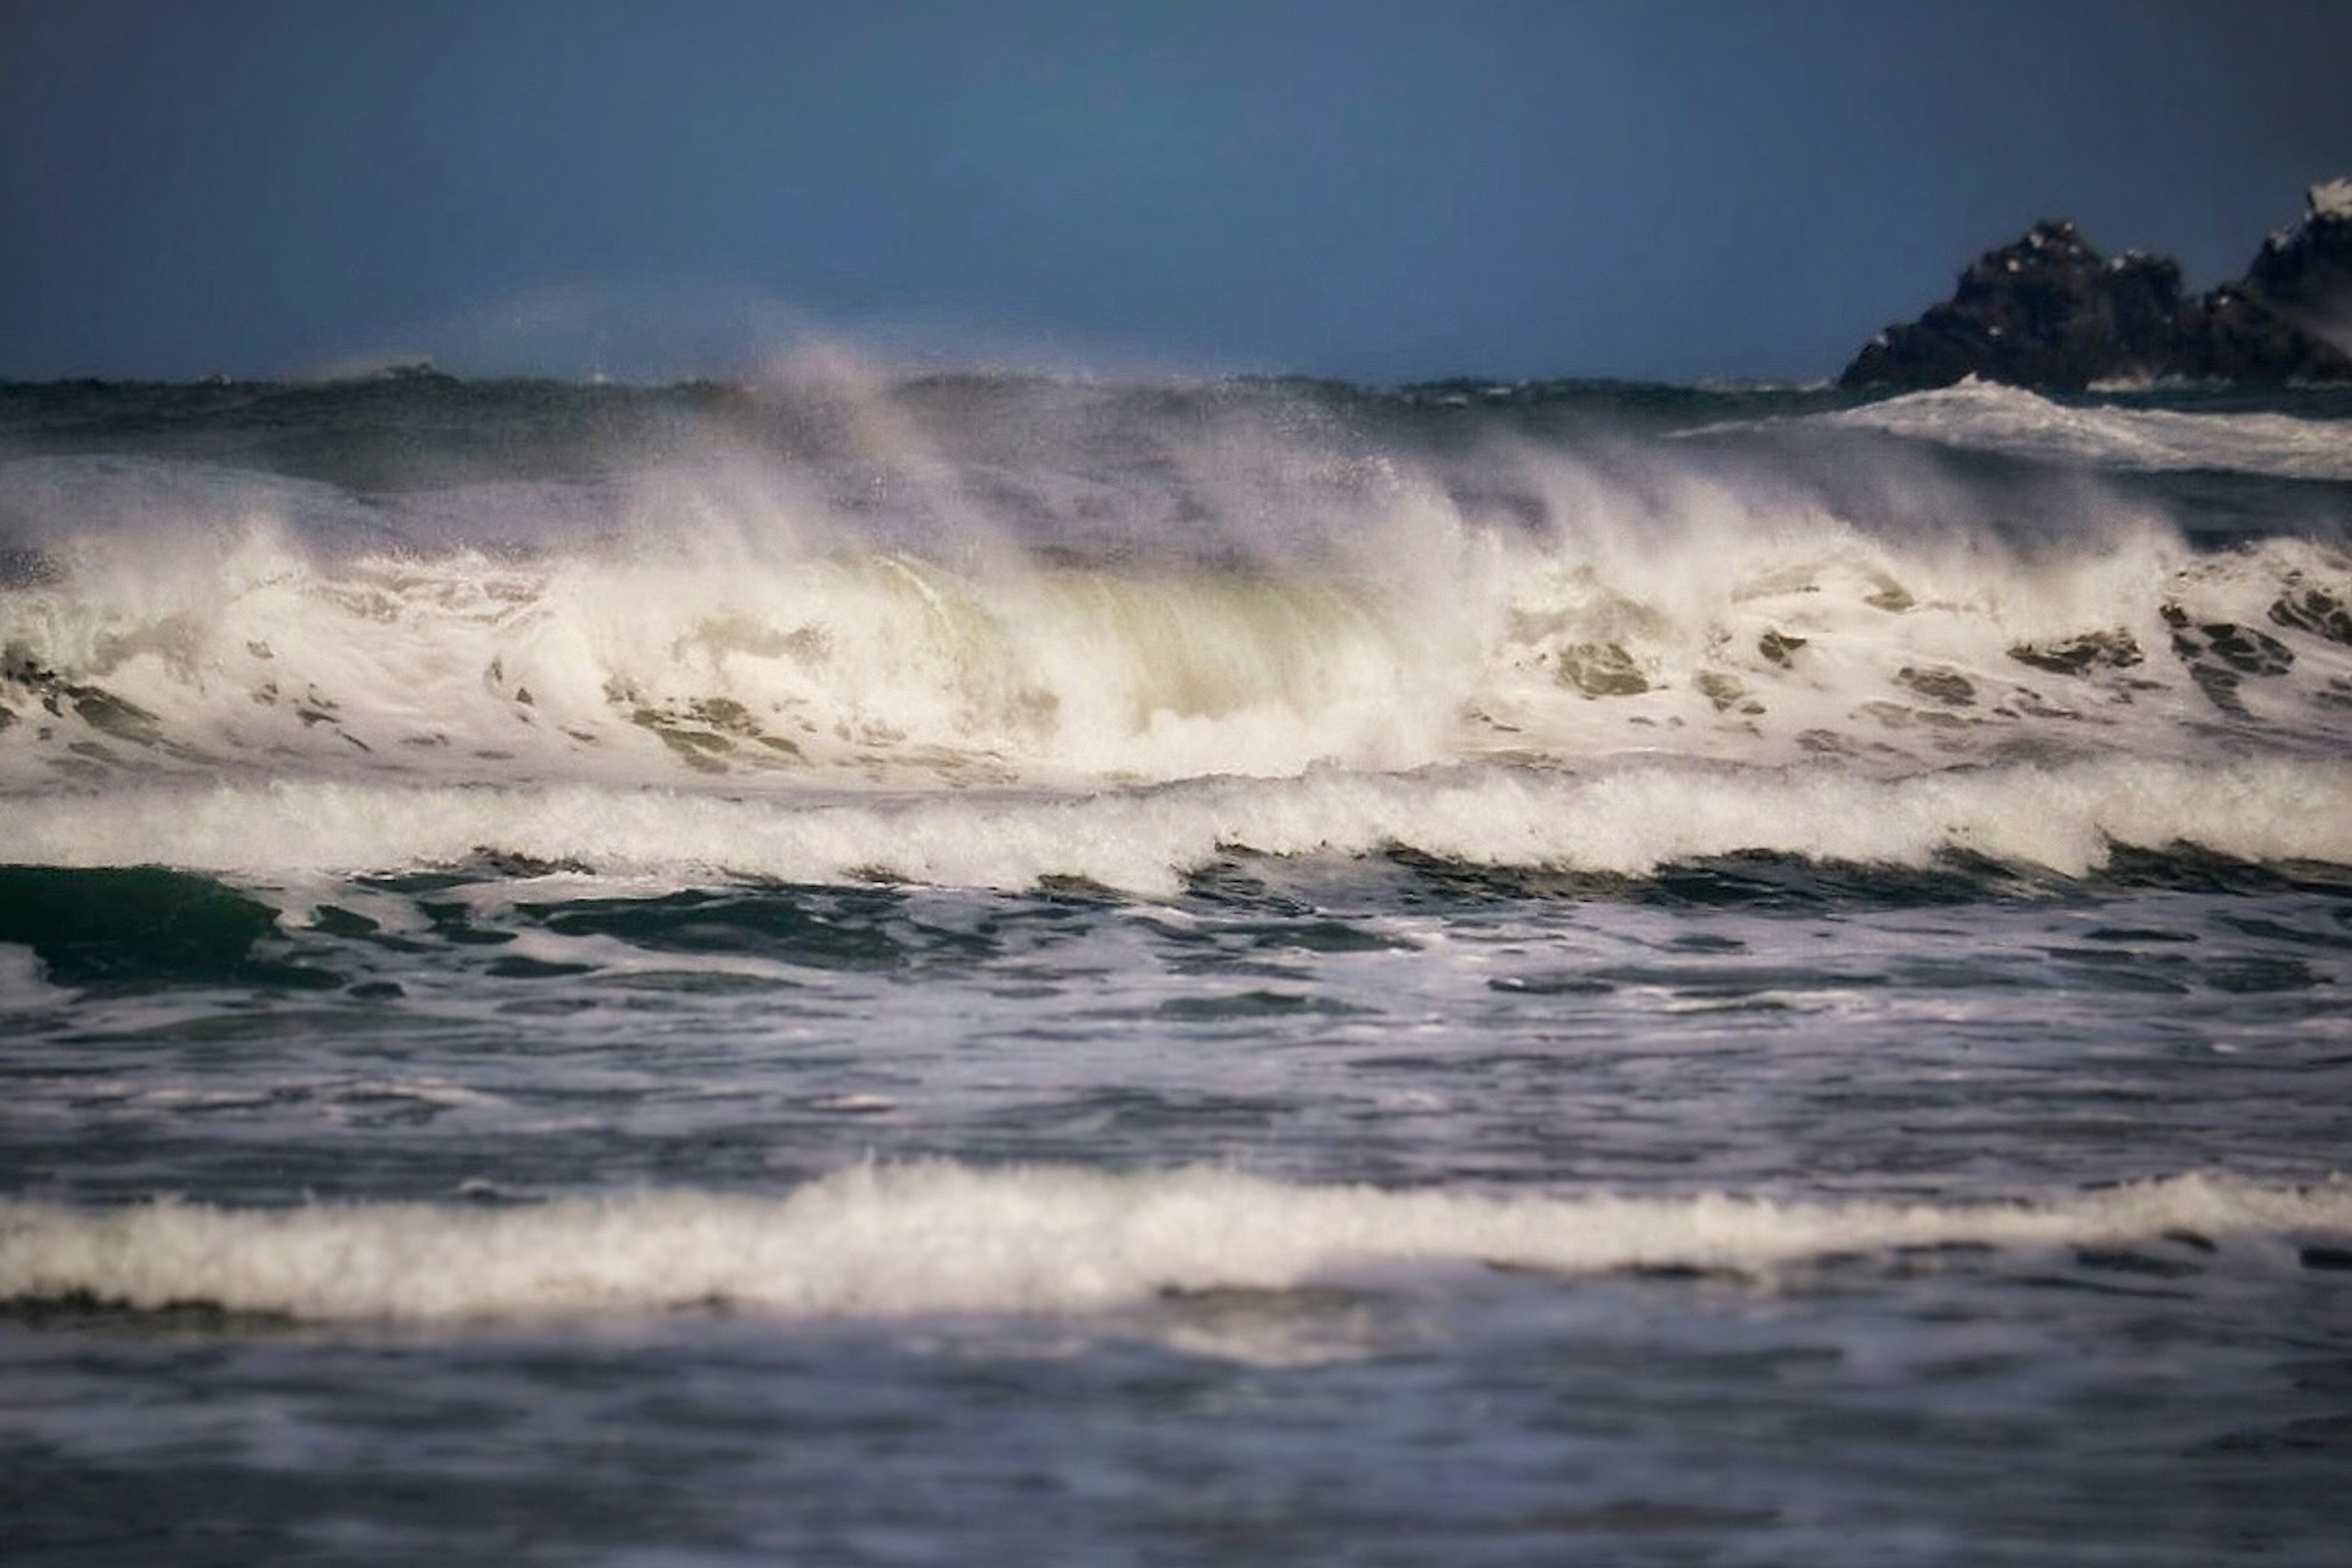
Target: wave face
point(944, 1238)
point(1515, 641)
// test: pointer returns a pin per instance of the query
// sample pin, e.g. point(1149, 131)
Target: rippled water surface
point(484, 1040)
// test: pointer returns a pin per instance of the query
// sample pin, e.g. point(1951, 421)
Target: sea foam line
point(1629, 820)
point(943, 1237)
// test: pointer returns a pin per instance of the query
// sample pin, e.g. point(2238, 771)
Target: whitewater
point(881, 967)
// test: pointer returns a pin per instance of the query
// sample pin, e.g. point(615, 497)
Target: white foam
point(2012, 419)
point(22, 981)
point(951, 1238)
point(1630, 820)
point(773, 656)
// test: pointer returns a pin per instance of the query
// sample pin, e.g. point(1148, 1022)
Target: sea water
point(983, 968)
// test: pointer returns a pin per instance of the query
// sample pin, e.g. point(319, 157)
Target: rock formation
point(2304, 272)
point(2050, 311)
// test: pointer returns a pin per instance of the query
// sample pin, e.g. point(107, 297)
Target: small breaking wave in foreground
point(934, 1238)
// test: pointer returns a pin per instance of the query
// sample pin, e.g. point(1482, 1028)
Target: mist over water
point(1506, 970)
point(1041, 583)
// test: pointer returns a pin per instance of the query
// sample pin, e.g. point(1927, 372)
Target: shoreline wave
point(943, 1238)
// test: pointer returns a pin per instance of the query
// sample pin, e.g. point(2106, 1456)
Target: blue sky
point(1386, 191)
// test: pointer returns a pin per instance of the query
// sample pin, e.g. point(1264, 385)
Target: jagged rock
point(2047, 312)
point(2050, 311)
point(2229, 335)
point(2304, 273)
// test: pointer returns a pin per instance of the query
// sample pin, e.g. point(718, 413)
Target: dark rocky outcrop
point(2304, 272)
point(2050, 311)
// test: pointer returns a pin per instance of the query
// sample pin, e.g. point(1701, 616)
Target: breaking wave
point(1021, 632)
point(1691, 619)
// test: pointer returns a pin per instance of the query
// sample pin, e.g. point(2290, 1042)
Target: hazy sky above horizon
point(1379, 190)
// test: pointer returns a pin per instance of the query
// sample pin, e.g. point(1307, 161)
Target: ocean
point(895, 968)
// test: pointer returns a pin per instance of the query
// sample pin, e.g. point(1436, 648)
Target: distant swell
point(2023, 424)
point(947, 1239)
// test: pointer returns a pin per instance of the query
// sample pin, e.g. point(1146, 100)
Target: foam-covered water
point(869, 970)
